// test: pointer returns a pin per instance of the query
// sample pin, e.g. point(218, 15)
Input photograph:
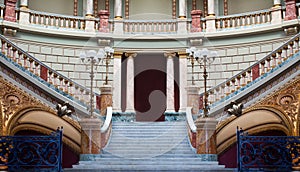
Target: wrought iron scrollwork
point(32, 153)
point(267, 153)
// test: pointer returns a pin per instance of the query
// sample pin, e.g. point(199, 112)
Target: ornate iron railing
point(32, 153)
point(267, 153)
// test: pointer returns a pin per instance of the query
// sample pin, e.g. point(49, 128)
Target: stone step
point(147, 155)
point(151, 167)
point(121, 161)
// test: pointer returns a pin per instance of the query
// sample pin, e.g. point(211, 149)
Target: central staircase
point(148, 146)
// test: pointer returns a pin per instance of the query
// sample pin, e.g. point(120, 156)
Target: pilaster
point(10, 10)
point(170, 82)
point(130, 82)
point(206, 142)
point(90, 135)
point(182, 81)
point(290, 12)
point(193, 98)
point(196, 20)
point(117, 81)
point(103, 16)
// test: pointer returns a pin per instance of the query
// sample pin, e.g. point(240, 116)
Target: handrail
point(243, 14)
point(261, 67)
point(107, 121)
point(190, 120)
point(50, 76)
point(56, 15)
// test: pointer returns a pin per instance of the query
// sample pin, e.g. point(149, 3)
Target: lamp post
point(204, 57)
point(93, 58)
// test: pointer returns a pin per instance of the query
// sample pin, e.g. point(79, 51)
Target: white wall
point(150, 9)
point(53, 6)
point(241, 6)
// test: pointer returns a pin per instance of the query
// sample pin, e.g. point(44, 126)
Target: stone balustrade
point(146, 26)
point(243, 20)
point(53, 79)
point(56, 20)
point(260, 68)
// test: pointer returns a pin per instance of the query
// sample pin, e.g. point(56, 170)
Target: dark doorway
point(150, 87)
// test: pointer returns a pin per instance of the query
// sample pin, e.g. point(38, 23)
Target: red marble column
point(106, 98)
point(90, 135)
point(206, 136)
point(196, 20)
point(10, 11)
point(290, 12)
point(104, 16)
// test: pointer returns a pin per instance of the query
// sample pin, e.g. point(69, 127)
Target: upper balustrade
point(253, 20)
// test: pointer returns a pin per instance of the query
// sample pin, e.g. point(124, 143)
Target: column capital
point(182, 54)
point(130, 54)
point(118, 54)
point(170, 54)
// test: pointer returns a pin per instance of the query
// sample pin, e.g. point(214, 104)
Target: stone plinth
point(104, 16)
point(90, 135)
point(290, 12)
point(106, 98)
point(196, 20)
point(206, 143)
point(193, 98)
point(10, 10)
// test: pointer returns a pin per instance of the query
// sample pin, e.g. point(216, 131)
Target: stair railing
point(191, 127)
point(106, 127)
point(44, 74)
point(242, 80)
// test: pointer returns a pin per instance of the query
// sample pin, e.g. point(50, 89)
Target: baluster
point(71, 91)
point(31, 20)
point(238, 82)
point(67, 23)
point(19, 58)
point(50, 78)
point(279, 57)
point(36, 68)
point(165, 27)
point(37, 18)
point(244, 82)
point(25, 61)
point(228, 23)
point(243, 21)
point(218, 24)
point(77, 92)
point(66, 86)
point(42, 19)
point(9, 51)
point(56, 21)
point(222, 91)
point(14, 56)
point(297, 45)
point(262, 64)
point(62, 22)
point(285, 48)
point(211, 96)
point(217, 95)
point(3, 46)
point(31, 65)
point(249, 76)
point(55, 80)
point(51, 21)
point(81, 95)
point(47, 20)
point(291, 48)
point(233, 22)
point(268, 17)
point(233, 85)
point(61, 84)
point(263, 17)
point(258, 18)
point(141, 26)
point(248, 17)
point(253, 19)
point(268, 63)
point(228, 88)
point(273, 60)
point(238, 21)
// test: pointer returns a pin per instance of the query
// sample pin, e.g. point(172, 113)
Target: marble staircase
point(144, 146)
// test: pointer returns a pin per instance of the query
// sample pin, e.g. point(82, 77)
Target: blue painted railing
point(32, 153)
point(267, 153)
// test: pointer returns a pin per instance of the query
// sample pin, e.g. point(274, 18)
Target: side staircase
point(148, 146)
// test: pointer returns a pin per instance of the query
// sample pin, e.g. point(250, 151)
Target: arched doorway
point(150, 87)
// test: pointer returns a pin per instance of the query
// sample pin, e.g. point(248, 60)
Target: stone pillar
point(193, 98)
point(182, 8)
point(118, 26)
point(276, 13)
point(182, 81)
point(130, 83)
point(90, 135)
point(290, 12)
point(103, 16)
point(196, 20)
point(118, 9)
point(24, 3)
point(210, 18)
point(206, 140)
point(170, 82)
point(10, 10)
point(117, 82)
point(106, 98)
point(89, 8)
